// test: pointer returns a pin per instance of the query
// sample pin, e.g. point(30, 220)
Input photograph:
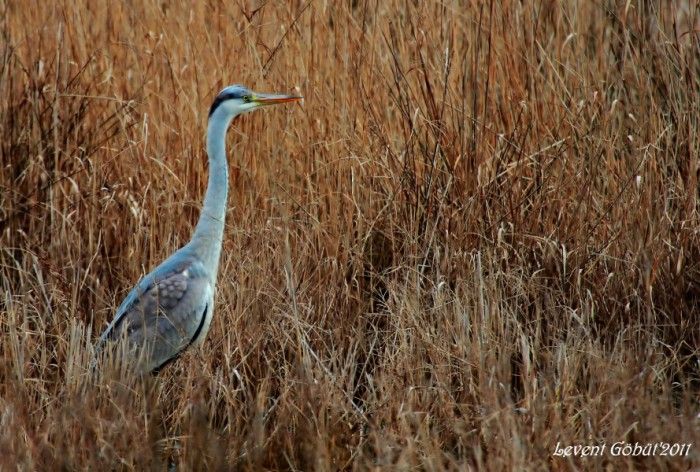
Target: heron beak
point(263, 99)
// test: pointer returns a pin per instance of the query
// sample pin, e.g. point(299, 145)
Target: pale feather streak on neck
point(209, 233)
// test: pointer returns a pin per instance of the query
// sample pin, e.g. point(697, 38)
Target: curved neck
point(209, 233)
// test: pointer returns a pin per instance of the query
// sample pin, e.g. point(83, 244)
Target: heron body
point(171, 308)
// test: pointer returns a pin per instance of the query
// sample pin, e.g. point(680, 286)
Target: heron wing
point(164, 313)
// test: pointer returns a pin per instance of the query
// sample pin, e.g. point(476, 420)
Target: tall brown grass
point(478, 237)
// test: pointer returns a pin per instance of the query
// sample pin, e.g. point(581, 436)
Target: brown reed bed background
point(478, 237)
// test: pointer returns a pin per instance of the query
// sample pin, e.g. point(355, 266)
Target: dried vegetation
point(479, 236)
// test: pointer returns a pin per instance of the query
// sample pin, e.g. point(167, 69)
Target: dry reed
point(478, 237)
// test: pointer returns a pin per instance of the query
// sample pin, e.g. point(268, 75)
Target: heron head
point(237, 99)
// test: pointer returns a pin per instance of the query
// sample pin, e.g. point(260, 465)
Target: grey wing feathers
point(163, 314)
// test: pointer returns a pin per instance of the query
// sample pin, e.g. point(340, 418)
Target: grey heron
point(171, 308)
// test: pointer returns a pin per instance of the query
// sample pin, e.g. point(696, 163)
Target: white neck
point(209, 233)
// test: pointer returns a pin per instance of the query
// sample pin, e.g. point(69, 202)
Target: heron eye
point(247, 98)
